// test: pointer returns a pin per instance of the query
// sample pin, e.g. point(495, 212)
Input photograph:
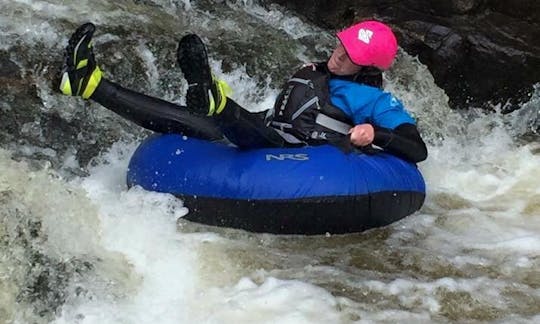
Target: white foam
point(276, 19)
point(149, 60)
point(273, 301)
point(481, 215)
point(141, 226)
point(480, 166)
point(246, 92)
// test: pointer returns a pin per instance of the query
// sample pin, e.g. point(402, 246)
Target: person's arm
point(394, 129)
point(403, 141)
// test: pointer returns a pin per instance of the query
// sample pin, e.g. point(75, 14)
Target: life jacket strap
point(307, 82)
point(333, 124)
point(289, 138)
point(281, 125)
point(314, 100)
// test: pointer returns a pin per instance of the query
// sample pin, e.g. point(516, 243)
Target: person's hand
point(362, 135)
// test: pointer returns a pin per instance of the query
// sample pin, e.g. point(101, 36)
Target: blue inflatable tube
point(309, 190)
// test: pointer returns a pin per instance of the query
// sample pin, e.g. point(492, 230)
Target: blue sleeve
point(388, 112)
point(355, 100)
point(365, 104)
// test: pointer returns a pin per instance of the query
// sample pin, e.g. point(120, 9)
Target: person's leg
point(247, 129)
point(155, 114)
point(208, 96)
point(82, 77)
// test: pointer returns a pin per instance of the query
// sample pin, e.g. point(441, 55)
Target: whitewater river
point(76, 246)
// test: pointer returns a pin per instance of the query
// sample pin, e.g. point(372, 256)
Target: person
point(339, 101)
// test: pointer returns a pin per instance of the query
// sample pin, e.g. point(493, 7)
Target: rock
point(481, 53)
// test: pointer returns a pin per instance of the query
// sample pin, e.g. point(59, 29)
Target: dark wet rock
point(34, 132)
point(18, 98)
point(41, 281)
point(9, 68)
point(480, 52)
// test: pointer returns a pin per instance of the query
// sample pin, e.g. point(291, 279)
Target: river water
point(77, 247)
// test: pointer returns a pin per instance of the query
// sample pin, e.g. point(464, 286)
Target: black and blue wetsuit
point(358, 96)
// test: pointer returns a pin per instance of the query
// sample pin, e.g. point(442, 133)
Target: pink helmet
point(370, 43)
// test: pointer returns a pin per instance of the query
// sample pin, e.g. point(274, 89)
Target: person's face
point(340, 63)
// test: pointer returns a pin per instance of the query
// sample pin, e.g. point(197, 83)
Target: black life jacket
point(303, 113)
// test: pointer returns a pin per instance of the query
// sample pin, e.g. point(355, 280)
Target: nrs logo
point(283, 157)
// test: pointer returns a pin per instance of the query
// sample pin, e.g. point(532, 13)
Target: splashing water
point(78, 247)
